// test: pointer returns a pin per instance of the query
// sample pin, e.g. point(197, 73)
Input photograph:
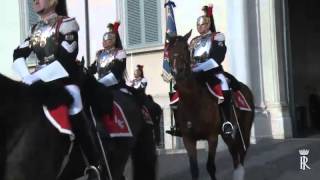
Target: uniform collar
point(112, 50)
point(50, 19)
point(206, 34)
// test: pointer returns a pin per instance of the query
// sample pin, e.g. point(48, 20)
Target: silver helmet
point(203, 20)
point(110, 34)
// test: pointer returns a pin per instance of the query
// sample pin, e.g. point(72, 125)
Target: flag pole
point(86, 6)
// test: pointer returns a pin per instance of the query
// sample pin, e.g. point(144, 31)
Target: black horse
point(31, 148)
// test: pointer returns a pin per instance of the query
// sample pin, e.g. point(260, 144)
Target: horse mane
point(11, 90)
point(98, 96)
point(15, 93)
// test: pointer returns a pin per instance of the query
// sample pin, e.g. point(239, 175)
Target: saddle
point(238, 98)
point(51, 94)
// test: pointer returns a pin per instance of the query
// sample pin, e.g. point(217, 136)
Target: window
point(143, 23)
point(32, 16)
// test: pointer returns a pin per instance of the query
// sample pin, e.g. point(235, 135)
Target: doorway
point(304, 39)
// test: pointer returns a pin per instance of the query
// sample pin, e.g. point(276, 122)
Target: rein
point(180, 63)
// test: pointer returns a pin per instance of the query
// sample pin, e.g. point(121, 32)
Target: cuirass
point(43, 41)
point(136, 83)
point(202, 48)
point(104, 60)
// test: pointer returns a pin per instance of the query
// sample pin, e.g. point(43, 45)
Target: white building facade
point(257, 38)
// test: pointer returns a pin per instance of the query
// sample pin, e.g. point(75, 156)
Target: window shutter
point(151, 21)
point(143, 23)
point(134, 22)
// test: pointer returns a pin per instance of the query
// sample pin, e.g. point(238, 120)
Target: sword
point(101, 146)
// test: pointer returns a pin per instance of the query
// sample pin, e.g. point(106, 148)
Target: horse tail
point(144, 158)
point(2, 149)
point(246, 118)
point(249, 97)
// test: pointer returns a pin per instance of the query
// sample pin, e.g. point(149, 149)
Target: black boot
point(175, 130)
point(227, 127)
point(86, 137)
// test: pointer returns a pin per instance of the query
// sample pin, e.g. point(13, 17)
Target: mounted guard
point(208, 51)
point(54, 40)
point(139, 82)
point(110, 63)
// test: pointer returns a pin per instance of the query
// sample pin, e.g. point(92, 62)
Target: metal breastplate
point(202, 49)
point(43, 41)
point(103, 62)
point(137, 83)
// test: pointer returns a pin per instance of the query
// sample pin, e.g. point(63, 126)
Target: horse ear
point(82, 61)
point(187, 36)
point(168, 37)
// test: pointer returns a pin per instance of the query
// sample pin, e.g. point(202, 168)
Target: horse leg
point(235, 148)
point(144, 155)
point(117, 152)
point(191, 147)
point(211, 168)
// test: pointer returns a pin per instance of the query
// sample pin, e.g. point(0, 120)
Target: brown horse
point(198, 113)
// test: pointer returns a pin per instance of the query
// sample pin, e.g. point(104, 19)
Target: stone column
point(269, 18)
point(255, 52)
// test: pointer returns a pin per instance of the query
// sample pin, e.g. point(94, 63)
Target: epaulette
point(68, 25)
point(194, 41)
point(218, 36)
point(99, 52)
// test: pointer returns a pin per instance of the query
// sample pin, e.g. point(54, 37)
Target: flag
point(171, 30)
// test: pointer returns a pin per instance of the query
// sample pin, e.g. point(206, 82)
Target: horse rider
point(139, 82)
point(110, 63)
point(208, 52)
point(54, 40)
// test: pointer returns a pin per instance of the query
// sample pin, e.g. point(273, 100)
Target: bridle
point(183, 68)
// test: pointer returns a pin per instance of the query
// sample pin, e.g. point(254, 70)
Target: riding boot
point(175, 129)
point(227, 127)
point(85, 136)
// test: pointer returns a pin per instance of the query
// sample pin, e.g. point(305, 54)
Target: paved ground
point(266, 160)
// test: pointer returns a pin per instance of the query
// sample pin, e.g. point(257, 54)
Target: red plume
point(209, 10)
point(116, 26)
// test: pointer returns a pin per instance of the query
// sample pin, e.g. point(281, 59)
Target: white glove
point(205, 66)
point(195, 67)
point(109, 80)
point(30, 79)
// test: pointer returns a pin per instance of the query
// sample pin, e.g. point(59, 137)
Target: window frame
point(25, 29)
point(144, 46)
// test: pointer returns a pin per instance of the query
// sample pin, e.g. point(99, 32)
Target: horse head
point(179, 55)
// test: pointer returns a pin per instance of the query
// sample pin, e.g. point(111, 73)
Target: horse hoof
point(238, 173)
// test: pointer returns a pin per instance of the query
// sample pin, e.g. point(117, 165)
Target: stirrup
point(174, 132)
point(94, 169)
point(174, 106)
point(226, 124)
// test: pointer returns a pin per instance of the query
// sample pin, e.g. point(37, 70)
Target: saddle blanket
point(59, 118)
point(117, 124)
point(240, 101)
